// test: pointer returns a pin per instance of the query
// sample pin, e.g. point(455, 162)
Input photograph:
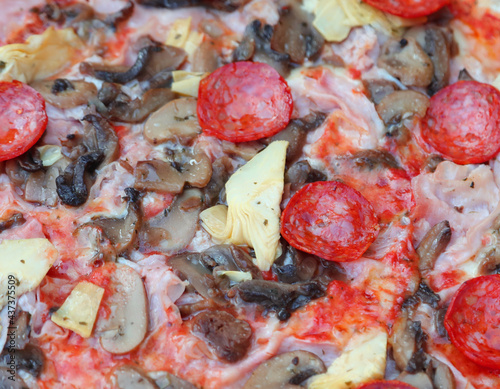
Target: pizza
point(250, 194)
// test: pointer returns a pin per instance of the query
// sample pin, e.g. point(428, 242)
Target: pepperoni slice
point(22, 118)
point(386, 385)
point(331, 220)
point(463, 122)
point(408, 8)
point(473, 320)
point(244, 101)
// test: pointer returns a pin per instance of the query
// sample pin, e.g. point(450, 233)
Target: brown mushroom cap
point(401, 105)
point(65, 94)
point(286, 369)
point(175, 121)
point(407, 61)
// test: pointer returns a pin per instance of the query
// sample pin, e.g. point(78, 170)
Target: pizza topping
point(256, 45)
point(125, 327)
point(228, 337)
point(121, 231)
point(124, 109)
point(55, 49)
point(214, 191)
point(436, 42)
point(433, 244)
point(279, 297)
point(184, 167)
point(386, 385)
point(407, 61)
point(175, 121)
point(301, 173)
point(400, 105)
point(26, 261)
point(172, 230)
point(253, 196)
point(11, 221)
point(223, 5)
point(229, 257)
point(99, 135)
point(408, 8)
point(462, 122)
point(473, 320)
point(131, 377)
point(363, 360)
point(244, 101)
point(72, 184)
point(29, 359)
point(23, 119)
point(295, 35)
point(296, 132)
point(292, 368)
point(407, 341)
point(121, 77)
point(71, 94)
point(418, 380)
point(331, 220)
point(79, 311)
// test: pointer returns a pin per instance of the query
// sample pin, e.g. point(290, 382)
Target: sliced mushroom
point(433, 244)
point(137, 110)
point(165, 380)
point(286, 370)
point(256, 45)
point(301, 173)
point(172, 230)
point(407, 61)
point(30, 359)
point(120, 16)
point(427, 295)
point(100, 136)
point(30, 161)
point(118, 74)
point(184, 167)
point(374, 159)
point(175, 121)
point(223, 5)
point(402, 341)
point(418, 380)
point(221, 168)
point(295, 34)
point(66, 94)
point(161, 63)
point(13, 220)
point(436, 42)
point(205, 58)
point(229, 257)
point(401, 105)
point(279, 297)
point(20, 337)
point(296, 133)
point(125, 327)
point(41, 186)
point(131, 377)
point(228, 337)
point(378, 89)
point(72, 187)
point(443, 377)
point(122, 231)
point(16, 174)
point(189, 267)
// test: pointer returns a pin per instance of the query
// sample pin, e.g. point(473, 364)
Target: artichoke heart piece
point(334, 19)
point(253, 196)
point(186, 83)
point(41, 56)
point(23, 265)
point(79, 311)
point(364, 360)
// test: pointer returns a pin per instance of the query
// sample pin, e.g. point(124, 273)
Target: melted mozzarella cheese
point(253, 195)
